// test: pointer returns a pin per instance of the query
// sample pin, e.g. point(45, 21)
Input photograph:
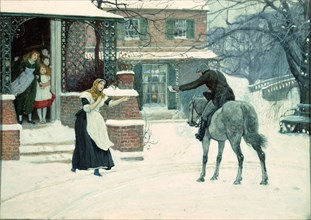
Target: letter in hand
point(175, 88)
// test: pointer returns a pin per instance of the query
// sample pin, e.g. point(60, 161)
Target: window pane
point(154, 84)
point(180, 29)
point(131, 28)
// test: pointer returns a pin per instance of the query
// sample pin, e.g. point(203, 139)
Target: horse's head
point(195, 111)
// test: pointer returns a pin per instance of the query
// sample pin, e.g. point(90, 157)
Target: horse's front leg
point(205, 146)
point(221, 145)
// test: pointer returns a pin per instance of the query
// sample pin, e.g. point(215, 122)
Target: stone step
point(53, 158)
point(47, 152)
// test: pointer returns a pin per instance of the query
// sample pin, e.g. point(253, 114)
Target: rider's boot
point(201, 132)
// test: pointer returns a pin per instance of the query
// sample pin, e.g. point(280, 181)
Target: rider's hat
point(203, 68)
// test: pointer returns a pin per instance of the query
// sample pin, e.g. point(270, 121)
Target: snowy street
point(163, 185)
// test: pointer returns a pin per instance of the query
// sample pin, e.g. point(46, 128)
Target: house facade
point(58, 30)
point(164, 41)
point(80, 43)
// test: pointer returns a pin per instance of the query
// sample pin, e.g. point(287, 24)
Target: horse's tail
point(251, 134)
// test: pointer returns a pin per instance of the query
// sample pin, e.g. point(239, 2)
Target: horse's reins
point(193, 108)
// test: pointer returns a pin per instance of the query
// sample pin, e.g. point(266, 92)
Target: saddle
point(207, 95)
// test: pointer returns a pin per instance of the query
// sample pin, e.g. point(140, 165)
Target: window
point(131, 28)
point(179, 29)
point(154, 84)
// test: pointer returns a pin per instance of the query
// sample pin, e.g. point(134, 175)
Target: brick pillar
point(124, 121)
point(9, 129)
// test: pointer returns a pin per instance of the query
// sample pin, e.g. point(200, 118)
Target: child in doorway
point(44, 97)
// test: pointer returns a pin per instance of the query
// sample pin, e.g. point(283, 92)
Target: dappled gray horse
point(236, 119)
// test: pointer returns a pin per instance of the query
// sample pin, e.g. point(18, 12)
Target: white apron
point(45, 93)
point(96, 126)
point(22, 82)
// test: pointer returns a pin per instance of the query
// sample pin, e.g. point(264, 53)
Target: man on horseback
point(218, 92)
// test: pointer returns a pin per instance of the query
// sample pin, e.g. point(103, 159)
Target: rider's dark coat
point(217, 83)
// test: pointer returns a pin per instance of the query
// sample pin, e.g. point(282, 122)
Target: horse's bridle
point(194, 109)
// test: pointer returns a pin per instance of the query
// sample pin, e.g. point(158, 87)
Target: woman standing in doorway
point(25, 86)
point(92, 140)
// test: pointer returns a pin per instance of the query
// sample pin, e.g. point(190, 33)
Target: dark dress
point(24, 102)
point(86, 154)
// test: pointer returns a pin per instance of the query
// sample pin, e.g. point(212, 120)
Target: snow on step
point(45, 153)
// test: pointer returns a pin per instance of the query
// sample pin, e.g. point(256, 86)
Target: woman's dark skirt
point(86, 154)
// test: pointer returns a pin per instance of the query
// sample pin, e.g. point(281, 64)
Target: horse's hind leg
point(262, 158)
point(221, 145)
point(205, 145)
point(237, 150)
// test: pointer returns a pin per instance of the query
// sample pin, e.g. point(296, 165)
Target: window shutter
point(143, 28)
point(120, 30)
point(190, 29)
point(169, 29)
point(171, 96)
point(138, 84)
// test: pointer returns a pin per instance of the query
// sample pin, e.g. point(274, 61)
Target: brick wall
point(8, 115)
point(124, 121)
point(157, 31)
point(124, 111)
point(126, 138)
point(70, 104)
point(10, 144)
point(10, 129)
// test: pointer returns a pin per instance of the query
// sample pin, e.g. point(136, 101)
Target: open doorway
point(33, 34)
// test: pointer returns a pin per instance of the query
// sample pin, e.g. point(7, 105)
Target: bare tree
point(281, 28)
point(248, 54)
point(284, 23)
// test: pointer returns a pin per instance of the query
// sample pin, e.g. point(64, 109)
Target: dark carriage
point(296, 120)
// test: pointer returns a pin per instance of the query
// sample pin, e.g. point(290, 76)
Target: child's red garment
point(45, 103)
point(44, 96)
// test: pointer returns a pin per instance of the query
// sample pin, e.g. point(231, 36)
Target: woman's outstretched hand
point(124, 99)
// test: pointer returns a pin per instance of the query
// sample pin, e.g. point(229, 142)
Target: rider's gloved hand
point(176, 88)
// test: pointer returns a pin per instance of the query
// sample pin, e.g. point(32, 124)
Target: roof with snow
point(55, 8)
point(171, 55)
point(161, 4)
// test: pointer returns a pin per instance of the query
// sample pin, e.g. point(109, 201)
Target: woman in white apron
point(92, 140)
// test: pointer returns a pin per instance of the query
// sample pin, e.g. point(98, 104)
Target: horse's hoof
point(214, 178)
point(237, 182)
point(264, 183)
point(200, 180)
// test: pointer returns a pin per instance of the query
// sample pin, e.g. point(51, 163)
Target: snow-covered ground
point(163, 185)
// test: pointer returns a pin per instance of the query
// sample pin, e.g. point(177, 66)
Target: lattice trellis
point(78, 73)
point(74, 64)
point(8, 27)
point(5, 24)
point(110, 59)
point(74, 60)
